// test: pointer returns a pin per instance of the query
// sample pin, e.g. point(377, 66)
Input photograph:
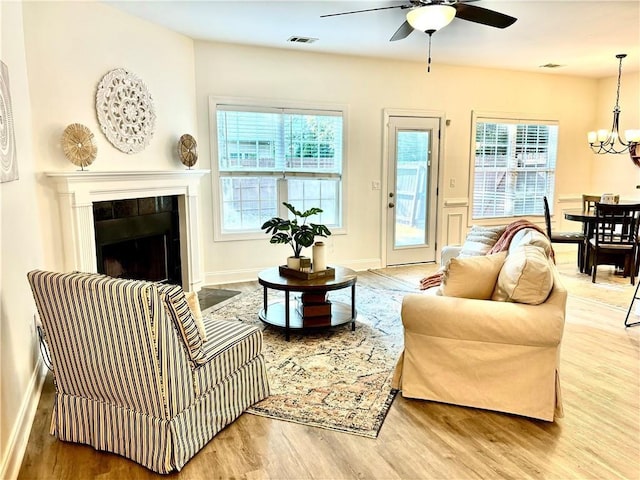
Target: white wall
point(369, 86)
point(21, 246)
point(70, 47)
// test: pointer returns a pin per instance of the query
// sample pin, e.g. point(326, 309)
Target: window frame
point(513, 118)
point(258, 104)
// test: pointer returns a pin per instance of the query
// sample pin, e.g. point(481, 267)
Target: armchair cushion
point(525, 277)
point(231, 345)
point(472, 277)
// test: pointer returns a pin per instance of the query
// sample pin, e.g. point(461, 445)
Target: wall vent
point(301, 39)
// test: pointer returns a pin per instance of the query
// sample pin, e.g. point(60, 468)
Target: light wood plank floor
point(598, 438)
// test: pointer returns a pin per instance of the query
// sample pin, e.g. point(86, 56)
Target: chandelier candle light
point(606, 141)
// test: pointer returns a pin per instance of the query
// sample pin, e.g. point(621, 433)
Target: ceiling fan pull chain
point(429, 54)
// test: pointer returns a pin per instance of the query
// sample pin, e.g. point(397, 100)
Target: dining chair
point(615, 239)
point(589, 201)
point(566, 237)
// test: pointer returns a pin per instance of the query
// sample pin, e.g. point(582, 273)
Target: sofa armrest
point(486, 320)
point(449, 252)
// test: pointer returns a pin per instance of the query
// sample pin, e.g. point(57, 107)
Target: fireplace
point(79, 191)
point(139, 238)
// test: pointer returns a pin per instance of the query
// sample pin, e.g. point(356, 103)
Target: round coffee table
point(299, 314)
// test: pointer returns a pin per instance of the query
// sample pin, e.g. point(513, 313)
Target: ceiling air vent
point(301, 39)
point(551, 65)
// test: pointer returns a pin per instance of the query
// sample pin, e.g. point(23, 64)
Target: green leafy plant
point(296, 233)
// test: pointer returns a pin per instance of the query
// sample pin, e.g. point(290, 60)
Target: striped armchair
point(132, 374)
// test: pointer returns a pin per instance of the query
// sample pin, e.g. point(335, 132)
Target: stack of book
point(315, 309)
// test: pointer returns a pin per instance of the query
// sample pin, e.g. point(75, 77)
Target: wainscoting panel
point(454, 224)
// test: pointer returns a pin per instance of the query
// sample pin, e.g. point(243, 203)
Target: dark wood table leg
point(286, 315)
point(265, 301)
point(353, 307)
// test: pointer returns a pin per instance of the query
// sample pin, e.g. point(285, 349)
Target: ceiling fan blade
point(367, 10)
point(402, 32)
point(484, 16)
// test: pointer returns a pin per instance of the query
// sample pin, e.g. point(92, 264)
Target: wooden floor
point(599, 437)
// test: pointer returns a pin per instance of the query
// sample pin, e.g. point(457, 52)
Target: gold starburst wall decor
point(79, 145)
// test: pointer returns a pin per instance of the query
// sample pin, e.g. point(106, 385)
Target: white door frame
point(385, 168)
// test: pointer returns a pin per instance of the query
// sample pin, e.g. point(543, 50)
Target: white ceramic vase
point(319, 260)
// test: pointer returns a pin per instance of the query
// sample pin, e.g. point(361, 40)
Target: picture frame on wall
point(8, 157)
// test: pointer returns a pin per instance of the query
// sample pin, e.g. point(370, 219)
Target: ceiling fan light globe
point(431, 17)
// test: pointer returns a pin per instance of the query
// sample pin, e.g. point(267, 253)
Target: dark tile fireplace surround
point(139, 238)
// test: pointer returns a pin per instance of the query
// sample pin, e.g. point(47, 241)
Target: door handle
point(391, 204)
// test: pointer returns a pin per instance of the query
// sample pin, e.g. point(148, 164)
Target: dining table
point(588, 220)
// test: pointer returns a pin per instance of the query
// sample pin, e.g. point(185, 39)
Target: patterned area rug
point(334, 378)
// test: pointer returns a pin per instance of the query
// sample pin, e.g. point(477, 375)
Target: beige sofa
point(482, 352)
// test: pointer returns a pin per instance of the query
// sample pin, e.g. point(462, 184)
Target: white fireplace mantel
point(78, 190)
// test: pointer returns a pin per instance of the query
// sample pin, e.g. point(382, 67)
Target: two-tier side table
point(287, 314)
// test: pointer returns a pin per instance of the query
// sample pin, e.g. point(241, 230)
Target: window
point(268, 155)
point(514, 164)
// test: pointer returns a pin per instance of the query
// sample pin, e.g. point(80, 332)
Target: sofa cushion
point(530, 236)
point(480, 239)
point(194, 306)
point(472, 277)
point(525, 277)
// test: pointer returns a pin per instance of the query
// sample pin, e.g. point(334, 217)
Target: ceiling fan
point(430, 16)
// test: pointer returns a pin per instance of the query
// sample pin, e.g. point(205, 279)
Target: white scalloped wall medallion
point(125, 111)
point(8, 156)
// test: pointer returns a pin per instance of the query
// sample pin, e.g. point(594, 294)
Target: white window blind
point(514, 166)
point(267, 156)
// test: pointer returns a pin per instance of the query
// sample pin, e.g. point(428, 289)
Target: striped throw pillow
point(479, 240)
point(178, 309)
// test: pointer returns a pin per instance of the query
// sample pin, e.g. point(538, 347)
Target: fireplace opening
point(139, 239)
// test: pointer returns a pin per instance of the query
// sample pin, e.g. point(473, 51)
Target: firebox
point(139, 239)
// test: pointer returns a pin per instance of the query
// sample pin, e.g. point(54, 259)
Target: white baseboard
point(251, 274)
point(19, 438)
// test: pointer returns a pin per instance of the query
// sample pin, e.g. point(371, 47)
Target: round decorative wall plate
point(78, 145)
point(187, 150)
point(8, 156)
point(125, 111)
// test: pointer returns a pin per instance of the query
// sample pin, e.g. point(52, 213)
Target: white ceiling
point(581, 35)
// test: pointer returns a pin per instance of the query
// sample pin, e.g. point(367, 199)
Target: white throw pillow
point(472, 277)
point(479, 240)
point(525, 277)
point(530, 236)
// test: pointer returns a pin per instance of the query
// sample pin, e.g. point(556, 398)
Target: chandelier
point(609, 141)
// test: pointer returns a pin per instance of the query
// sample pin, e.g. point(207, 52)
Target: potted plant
point(297, 232)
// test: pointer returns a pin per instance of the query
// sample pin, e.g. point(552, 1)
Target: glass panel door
point(413, 160)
